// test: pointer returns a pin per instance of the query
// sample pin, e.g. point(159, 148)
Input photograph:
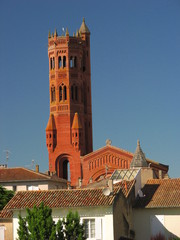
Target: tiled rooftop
point(66, 198)
point(23, 174)
point(160, 193)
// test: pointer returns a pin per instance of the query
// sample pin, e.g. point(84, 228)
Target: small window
point(89, 228)
point(14, 188)
point(60, 93)
point(53, 94)
point(34, 187)
point(71, 62)
point(64, 61)
point(53, 63)
point(59, 62)
point(72, 92)
point(65, 93)
point(76, 93)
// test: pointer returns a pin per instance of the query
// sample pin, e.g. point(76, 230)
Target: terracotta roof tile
point(6, 214)
point(160, 193)
point(23, 174)
point(62, 198)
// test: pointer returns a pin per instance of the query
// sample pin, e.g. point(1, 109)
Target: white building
point(157, 210)
point(21, 179)
point(107, 216)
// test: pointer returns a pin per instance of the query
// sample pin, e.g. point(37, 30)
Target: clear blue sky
point(135, 64)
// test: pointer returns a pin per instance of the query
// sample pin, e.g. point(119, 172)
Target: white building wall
point(102, 215)
point(149, 222)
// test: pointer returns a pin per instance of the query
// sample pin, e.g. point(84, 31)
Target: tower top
point(139, 159)
point(84, 28)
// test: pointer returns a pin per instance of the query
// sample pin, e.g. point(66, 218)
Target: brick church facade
point(69, 129)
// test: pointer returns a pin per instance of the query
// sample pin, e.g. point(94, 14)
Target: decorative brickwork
point(70, 92)
point(69, 141)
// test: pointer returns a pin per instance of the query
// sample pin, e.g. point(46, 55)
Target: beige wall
point(8, 232)
point(46, 185)
point(148, 222)
point(122, 220)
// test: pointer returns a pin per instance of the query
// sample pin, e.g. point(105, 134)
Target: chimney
point(37, 168)
point(110, 184)
point(160, 174)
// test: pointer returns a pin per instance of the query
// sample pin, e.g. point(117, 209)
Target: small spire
point(49, 35)
point(73, 34)
point(55, 33)
point(52, 35)
point(67, 33)
point(139, 159)
point(51, 123)
point(84, 28)
point(77, 33)
point(76, 122)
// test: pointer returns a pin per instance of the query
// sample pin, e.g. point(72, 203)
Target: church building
point(69, 130)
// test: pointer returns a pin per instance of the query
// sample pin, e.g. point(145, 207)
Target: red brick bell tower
point(69, 129)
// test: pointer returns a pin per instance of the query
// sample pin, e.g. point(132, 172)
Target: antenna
point(31, 165)
point(7, 155)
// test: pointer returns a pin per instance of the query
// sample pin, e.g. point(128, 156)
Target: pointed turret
point(67, 33)
point(49, 35)
point(84, 28)
point(139, 159)
point(76, 122)
point(55, 33)
point(76, 132)
point(51, 124)
point(51, 139)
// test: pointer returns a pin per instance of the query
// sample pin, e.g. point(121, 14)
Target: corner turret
point(51, 135)
point(76, 132)
point(139, 159)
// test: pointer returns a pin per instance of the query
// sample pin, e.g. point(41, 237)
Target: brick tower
point(69, 129)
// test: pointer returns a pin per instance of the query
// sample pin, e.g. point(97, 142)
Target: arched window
point(71, 62)
point(60, 93)
point(75, 62)
point(59, 62)
point(76, 93)
point(66, 170)
point(64, 61)
point(53, 94)
point(53, 63)
point(72, 92)
point(65, 93)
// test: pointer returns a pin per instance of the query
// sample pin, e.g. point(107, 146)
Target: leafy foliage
point(73, 229)
point(5, 196)
point(39, 225)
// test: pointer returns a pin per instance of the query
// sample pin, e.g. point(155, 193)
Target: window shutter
point(98, 228)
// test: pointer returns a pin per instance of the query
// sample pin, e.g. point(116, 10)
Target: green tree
point(22, 231)
point(59, 230)
point(73, 229)
point(39, 225)
point(5, 196)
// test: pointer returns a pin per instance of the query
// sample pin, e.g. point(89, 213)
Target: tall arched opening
point(63, 167)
